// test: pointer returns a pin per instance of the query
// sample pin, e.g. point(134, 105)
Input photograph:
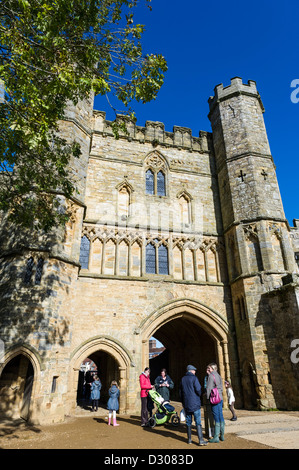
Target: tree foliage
point(53, 52)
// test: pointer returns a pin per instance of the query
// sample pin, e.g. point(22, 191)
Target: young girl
point(95, 393)
point(112, 404)
point(231, 399)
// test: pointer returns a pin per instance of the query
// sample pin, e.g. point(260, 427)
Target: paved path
point(279, 430)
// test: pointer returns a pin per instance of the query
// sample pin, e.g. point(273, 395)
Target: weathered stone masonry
point(171, 235)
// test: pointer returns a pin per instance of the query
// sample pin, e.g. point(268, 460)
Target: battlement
point(154, 132)
point(236, 87)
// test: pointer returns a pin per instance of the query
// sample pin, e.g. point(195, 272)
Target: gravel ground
point(252, 430)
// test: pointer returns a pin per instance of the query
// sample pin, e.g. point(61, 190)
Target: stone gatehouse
point(178, 237)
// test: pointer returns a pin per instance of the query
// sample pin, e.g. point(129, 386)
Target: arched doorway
point(113, 363)
point(107, 369)
point(186, 343)
point(192, 333)
point(16, 384)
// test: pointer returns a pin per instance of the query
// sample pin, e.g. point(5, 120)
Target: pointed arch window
point(155, 182)
point(123, 202)
point(84, 252)
point(149, 183)
point(163, 259)
point(156, 258)
point(150, 259)
point(155, 174)
point(161, 189)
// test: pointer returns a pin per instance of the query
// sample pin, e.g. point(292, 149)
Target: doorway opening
point(101, 364)
point(16, 383)
point(185, 343)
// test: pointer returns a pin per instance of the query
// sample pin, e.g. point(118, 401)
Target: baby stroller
point(164, 413)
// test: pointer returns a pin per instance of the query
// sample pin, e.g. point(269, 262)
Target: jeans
point(217, 412)
point(197, 417)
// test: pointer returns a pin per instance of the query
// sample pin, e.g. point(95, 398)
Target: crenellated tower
point(259, 251)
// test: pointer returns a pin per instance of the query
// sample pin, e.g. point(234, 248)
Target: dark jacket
point(190, 391)
point(162, 390)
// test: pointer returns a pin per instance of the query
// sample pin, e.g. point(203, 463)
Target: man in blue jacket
point(190, 391)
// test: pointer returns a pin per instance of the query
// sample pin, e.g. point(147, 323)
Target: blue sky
point(209, 43)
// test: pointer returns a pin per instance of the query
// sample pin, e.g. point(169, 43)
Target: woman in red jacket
point(145, 385)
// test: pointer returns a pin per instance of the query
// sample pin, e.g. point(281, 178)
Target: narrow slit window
point(149, 185)
point(150, 259)
point(29, 269)
point(163, 259)
point(161, 184)
point(39, 271)
point(84, 252)
point(54, 384)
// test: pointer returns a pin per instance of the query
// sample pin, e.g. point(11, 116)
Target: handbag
point(182, 415)
point(214, 395)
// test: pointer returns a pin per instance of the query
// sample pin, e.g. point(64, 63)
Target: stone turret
point(259, 251)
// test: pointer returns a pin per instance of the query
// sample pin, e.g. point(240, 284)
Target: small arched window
point(84, 252)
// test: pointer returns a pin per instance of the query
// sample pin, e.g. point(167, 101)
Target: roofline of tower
point(236, 88)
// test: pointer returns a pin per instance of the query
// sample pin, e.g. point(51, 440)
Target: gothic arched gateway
point(192, 334)
point(113, 362)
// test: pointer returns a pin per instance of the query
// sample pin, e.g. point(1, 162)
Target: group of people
point(190, 394)
point(112, 404)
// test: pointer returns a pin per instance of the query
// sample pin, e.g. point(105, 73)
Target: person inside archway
point(164, 384)
point(95, 393)
point(145, 386)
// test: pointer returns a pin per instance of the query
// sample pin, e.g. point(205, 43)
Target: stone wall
point(205, 215)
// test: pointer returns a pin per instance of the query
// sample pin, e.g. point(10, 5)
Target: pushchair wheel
point(175, 420)
point(151, 422)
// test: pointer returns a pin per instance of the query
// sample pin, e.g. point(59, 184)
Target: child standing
point(95, 393)
point(231, 399)
point(112, 404)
